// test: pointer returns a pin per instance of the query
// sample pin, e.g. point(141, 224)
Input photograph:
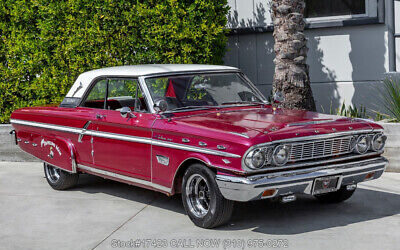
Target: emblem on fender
point(163, 160)
point(45, 143)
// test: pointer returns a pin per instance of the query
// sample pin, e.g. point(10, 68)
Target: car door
point(123, 144)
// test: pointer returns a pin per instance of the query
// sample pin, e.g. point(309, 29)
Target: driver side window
point(116, 93)
point(97, 95)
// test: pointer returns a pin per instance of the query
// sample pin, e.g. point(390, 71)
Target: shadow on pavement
point(307, 214)
point(304, 215)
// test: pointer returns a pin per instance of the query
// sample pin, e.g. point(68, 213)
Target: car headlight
point(378, 142)
point(280, 156)
point(362, 144)
point(255, 159)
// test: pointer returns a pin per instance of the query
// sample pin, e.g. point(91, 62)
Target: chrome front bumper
point(298, 181)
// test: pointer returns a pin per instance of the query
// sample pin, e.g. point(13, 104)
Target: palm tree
point(291, 70)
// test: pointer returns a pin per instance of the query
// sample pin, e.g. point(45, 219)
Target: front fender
point(165, 174)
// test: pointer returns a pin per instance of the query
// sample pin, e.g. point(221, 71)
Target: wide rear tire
point(59, 179)
point(203, 201)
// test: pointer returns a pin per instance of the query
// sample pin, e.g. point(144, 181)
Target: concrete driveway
point(102, 214)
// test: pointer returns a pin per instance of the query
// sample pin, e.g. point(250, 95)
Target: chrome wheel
point(198, 195)
point(52, 173)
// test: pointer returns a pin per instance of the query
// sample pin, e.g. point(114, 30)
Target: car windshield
point(203, 91)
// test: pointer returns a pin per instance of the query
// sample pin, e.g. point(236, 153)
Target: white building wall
point(346, 63)
point(397, 31)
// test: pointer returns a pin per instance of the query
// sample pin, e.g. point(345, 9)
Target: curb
point(392, 148)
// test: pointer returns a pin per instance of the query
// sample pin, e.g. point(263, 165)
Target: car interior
point(116, 103)
point(121, 96)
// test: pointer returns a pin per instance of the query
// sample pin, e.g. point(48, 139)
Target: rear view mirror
point(278, 97)
point(160, 105)
point(127, 112)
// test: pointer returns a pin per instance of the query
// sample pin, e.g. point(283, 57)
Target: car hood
point(278, 124)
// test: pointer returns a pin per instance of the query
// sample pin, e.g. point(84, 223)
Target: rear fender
point(59, 152)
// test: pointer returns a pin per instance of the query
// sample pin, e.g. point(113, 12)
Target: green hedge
point(46, 44)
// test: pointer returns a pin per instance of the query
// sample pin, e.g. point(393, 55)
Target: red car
point(203, 131)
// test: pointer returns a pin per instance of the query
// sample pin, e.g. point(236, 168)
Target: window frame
point(108, 78)
point(371, 11)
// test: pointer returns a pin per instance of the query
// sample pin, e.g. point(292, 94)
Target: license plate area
point(326, 184)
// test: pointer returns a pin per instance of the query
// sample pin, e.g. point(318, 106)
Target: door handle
point(99, 116)
point(82, 133)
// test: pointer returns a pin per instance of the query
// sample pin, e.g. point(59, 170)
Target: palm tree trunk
point(291, 70)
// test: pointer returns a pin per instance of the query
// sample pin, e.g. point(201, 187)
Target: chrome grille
point(320, 148)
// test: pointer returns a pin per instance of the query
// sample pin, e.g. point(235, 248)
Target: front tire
point(59, 179)
point(335, 197)
point(202, 200)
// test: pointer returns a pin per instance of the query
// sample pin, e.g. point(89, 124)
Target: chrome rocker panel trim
point(297, 181)
point(126, 178)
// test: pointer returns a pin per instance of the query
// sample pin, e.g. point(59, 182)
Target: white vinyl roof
point(83, 81)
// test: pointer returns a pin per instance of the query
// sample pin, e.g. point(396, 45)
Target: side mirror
point(160, 105)
point(278, 97)
point(127, 112)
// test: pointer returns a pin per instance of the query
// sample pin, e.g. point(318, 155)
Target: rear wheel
point(335, 197)
point(203, 201)
point(59, 179)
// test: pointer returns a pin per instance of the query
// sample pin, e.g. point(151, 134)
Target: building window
point(339, 9)
point(323, 8)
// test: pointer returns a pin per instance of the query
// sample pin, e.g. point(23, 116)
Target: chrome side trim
point(48, 126)
point(193, 149)
point(119, 137)
point(126, 138)
point(126, 178)
point(73, 160)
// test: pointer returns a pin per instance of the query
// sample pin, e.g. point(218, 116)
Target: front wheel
point(59, 179)
point(336, 197)
point(203, 201)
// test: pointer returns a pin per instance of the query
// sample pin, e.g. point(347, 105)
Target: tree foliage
point(46, 44)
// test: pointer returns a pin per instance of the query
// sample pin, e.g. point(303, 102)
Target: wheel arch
point(177, 181)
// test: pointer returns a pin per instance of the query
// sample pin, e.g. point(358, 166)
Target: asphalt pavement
point(103, 214)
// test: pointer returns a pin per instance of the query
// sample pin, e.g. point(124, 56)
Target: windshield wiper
point(244, 102)
point(191, 108)
point(187, 108)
